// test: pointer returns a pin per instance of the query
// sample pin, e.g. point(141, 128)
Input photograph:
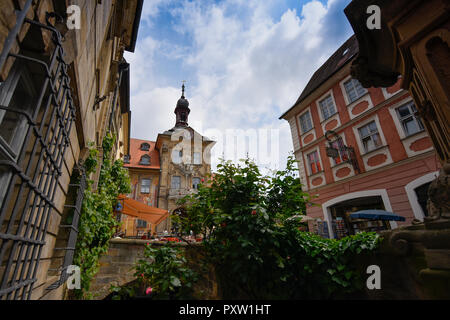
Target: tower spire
point(182, 109)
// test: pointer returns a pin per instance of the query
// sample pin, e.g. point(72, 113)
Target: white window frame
point(17, 72)
point(195, 185)
point(197, 158)
point(325, 97)
point(362, 124)
point(173, 185)
point(358, 96)
point(307, 111)
point(308, 166)
point(412, 115)
point(142, 186)
point(366, 150)
point(145, 156)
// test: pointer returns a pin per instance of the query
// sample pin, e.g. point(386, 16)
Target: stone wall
point(407, 272)
point(116, 267)
point(92, 54)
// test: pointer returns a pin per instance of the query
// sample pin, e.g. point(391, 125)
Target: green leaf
point(175, 282)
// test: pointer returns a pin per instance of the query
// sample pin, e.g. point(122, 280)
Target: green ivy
point(257, 251)
point(97, 223)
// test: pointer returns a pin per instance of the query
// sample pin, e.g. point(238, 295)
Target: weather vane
point(183, 86)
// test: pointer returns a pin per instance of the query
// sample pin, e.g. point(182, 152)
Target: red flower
point(142, 275)
point(203, 180)
point(224, 225)
point(253, 212)
point(149, 290)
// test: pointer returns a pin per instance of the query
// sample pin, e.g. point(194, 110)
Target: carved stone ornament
point(368, 78)
point(439, 198)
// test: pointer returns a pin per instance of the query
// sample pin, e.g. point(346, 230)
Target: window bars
point(67, 236)
point(31, 179)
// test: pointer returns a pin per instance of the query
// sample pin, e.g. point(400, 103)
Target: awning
point(377, 215)
point(142, 211)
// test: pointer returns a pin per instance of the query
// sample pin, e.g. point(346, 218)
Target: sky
point(245, 62)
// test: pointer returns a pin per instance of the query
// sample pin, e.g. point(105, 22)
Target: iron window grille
point(31, 176)
point(67, 236)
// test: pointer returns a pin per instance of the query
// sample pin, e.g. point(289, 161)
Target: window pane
point(327, 107)
point(373, 127)
point(145, 185)
point(376, 139)
point(13, 126)
point(368, 144)
point(411, 126)
point(314, 163)
point(364, 131)
point(197, 158)
point(403, 111)
point(195, 182)
point(176, 182)
point(305, 122)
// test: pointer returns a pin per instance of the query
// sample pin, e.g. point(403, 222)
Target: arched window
point(145, 147)
point(145, 160)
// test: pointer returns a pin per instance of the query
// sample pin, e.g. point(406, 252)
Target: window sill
point(311, 176)
point(333, 115)
point(413, 135)
point(359, 99)
point(304, 133)
point(374, 150)
point(341, 164)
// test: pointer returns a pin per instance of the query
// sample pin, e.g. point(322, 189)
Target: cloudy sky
point(245, 62)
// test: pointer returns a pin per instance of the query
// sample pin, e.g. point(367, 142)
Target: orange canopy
point(142, 211)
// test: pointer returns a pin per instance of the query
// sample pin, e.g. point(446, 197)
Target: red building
point(359, 148)
point(144, 169)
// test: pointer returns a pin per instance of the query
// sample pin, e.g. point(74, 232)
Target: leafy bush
point(165, 271)
point(97, 223)
point(258, 252)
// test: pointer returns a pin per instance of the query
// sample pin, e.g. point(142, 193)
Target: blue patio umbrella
point(376, 215)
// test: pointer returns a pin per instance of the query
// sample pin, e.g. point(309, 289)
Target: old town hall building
point(165, 170)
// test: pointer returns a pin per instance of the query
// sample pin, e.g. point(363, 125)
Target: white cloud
point(248, 68)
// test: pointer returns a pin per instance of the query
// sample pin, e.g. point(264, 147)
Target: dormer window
point(126, 158)
point(145, 160)
point(145, 147)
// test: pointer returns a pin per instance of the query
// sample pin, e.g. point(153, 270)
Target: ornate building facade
point(414, 41)
point(360, 148)
point(164, 171)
